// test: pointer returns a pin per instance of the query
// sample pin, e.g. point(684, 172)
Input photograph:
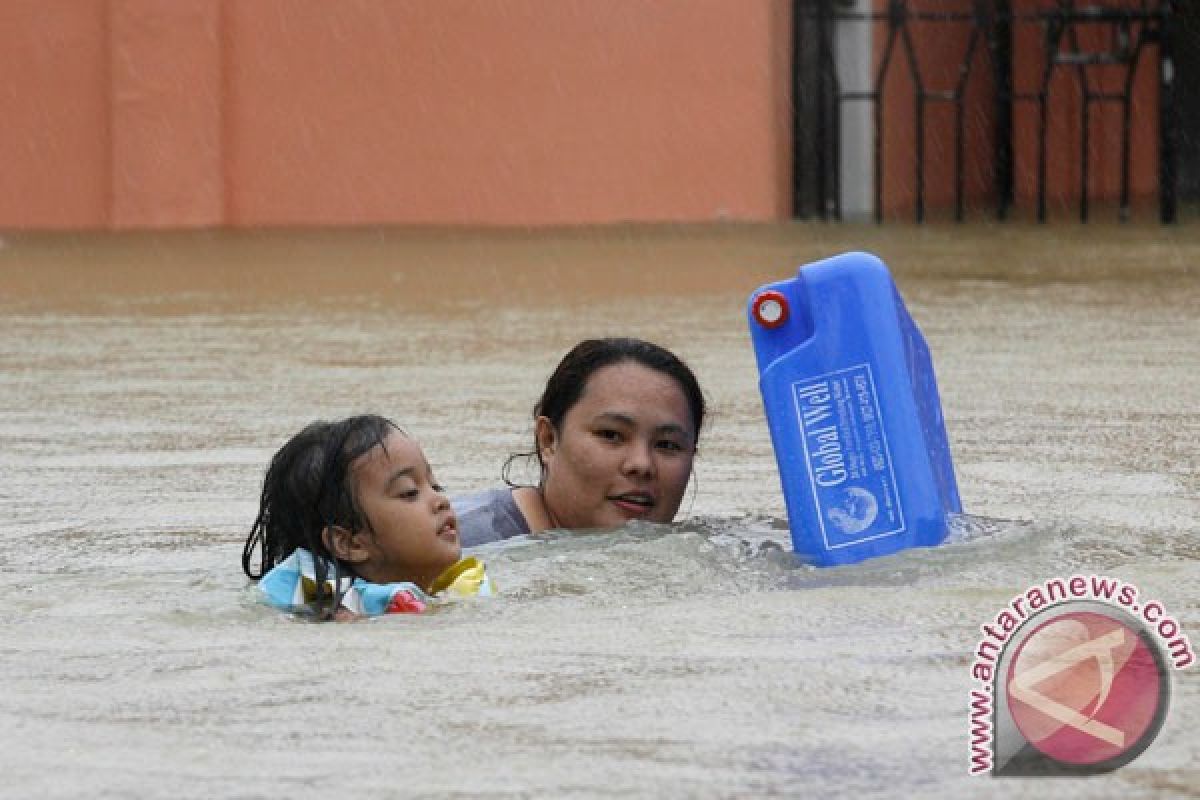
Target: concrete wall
point(167, 109)
point(155, 113)
point(55, 137)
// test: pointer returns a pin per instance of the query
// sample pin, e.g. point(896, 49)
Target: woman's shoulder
point(472, 501)
point(488, 516)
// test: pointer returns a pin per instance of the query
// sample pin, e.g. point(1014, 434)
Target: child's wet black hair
point(308, 488)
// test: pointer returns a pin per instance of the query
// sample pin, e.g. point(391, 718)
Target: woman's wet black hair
point(566, 384)
point(308, 488)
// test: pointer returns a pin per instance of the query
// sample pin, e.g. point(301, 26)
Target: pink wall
point(517, 112)
point(192, 113)
point(54, 114)
point(166, 113)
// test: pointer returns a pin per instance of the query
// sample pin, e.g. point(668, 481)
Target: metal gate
point(1072, 36)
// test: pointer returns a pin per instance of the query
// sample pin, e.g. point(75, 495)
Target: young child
point(351, 522)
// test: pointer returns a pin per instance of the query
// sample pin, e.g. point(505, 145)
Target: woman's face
point(624, 450)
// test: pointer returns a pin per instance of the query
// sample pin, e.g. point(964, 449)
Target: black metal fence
point(1130, 30)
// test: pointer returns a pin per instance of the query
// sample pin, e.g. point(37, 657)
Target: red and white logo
point(1086, 688)
point(1072, 677)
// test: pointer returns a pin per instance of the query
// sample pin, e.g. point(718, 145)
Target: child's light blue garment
point(292, 586)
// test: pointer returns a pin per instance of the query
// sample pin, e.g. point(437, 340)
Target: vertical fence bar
point(1054, 31)
point(1168, 118)
point(958, 160)
point(979, 23)
point(1086, 96)
point(799, 151)
point(823, 65)
point(1000, 34)
point(1083, 153)
point(1126, 120)
point(877, 99)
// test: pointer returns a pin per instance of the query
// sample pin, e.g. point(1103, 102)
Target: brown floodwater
point(146, 379)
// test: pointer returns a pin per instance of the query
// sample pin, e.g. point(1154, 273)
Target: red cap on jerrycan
point(853, 410)
point(770, 308)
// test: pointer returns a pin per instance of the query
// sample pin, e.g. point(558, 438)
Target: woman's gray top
point(488, 516)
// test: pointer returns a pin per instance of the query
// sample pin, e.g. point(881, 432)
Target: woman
point(615, 433)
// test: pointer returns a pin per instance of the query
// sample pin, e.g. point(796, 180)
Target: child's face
point(415, 530)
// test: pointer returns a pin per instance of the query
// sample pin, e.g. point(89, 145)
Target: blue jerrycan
point(852, 404)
